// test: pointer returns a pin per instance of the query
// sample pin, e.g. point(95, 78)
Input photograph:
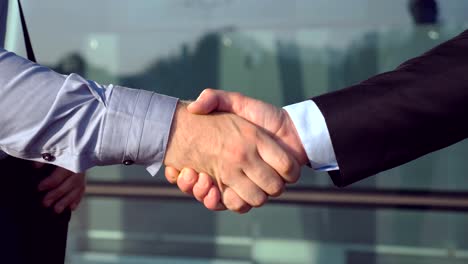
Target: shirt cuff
point(137, 127)
point(313, 132)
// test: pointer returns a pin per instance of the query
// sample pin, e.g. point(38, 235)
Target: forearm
point(398, 116)
point(80, 123)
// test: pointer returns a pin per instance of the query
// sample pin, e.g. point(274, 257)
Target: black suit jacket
point(398, 116)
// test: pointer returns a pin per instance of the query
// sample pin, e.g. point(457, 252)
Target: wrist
point(179, 120)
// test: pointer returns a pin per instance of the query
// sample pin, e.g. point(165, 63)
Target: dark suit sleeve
point(398, 116)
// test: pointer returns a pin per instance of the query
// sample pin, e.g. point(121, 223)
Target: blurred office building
point(280, 52)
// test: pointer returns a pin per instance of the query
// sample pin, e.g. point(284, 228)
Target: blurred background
point(280, 52)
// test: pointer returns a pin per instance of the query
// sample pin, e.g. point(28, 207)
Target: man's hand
point(65, 189)
point(238, 154)
point(274, 120)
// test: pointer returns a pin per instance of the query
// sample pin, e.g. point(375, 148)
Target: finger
point(65, 187)
point(212, 200)
point(265, 177)
point(187, 180)
point(231, 102)
point(77, 202)
point(55, 179)
point(206, 103)
point(234, 202)
point(74, 205)
point(67, 200)
point(280, 160)
point(210, 100)
point(245, 188)
point(171, 174)
point(202, 187)
point(248, 108)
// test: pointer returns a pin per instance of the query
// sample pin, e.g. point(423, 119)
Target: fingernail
point(188, 177)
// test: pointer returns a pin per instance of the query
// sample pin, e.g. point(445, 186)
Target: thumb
point(217, 100)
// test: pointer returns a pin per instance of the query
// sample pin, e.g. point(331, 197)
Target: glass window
point(278, 51)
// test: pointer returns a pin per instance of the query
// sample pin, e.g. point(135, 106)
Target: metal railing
point(433, 200)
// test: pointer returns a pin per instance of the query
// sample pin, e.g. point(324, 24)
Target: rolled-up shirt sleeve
point(75, 123)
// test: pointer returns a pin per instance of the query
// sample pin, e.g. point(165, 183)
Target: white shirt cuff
point(313, 132)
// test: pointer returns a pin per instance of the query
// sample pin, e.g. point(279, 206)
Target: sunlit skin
point(273, 120)
point(237, 154)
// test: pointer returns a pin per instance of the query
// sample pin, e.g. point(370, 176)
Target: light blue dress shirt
point(79, 122)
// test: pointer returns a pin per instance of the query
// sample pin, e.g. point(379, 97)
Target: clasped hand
point(236, 157)
point(64, 189)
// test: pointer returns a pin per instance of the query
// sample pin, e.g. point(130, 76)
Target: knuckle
point(59, 208)
point(236, 95)
point(288, 165)
point(244, 209)
point(240, 155)
point(277, 188)
point(236, 206)
point(61, 203)
point(47, 198)
point(51, 181)
point(52, 196)
point(234, 203)
point(226, 178)
point(58, 193)
point(259, 200)
point(253, 133)
point(208, 92)
point(289, 170)
point(199, 197)
point(294, 176)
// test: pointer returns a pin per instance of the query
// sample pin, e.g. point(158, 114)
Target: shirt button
point(48, 157)
point(128, 162)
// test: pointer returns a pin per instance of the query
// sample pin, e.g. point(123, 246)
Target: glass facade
point(277, 51)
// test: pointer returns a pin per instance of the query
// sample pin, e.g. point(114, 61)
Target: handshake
point(231, 151)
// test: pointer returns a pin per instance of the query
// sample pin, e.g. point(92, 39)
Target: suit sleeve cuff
point(313, 132)
point(137, 127)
